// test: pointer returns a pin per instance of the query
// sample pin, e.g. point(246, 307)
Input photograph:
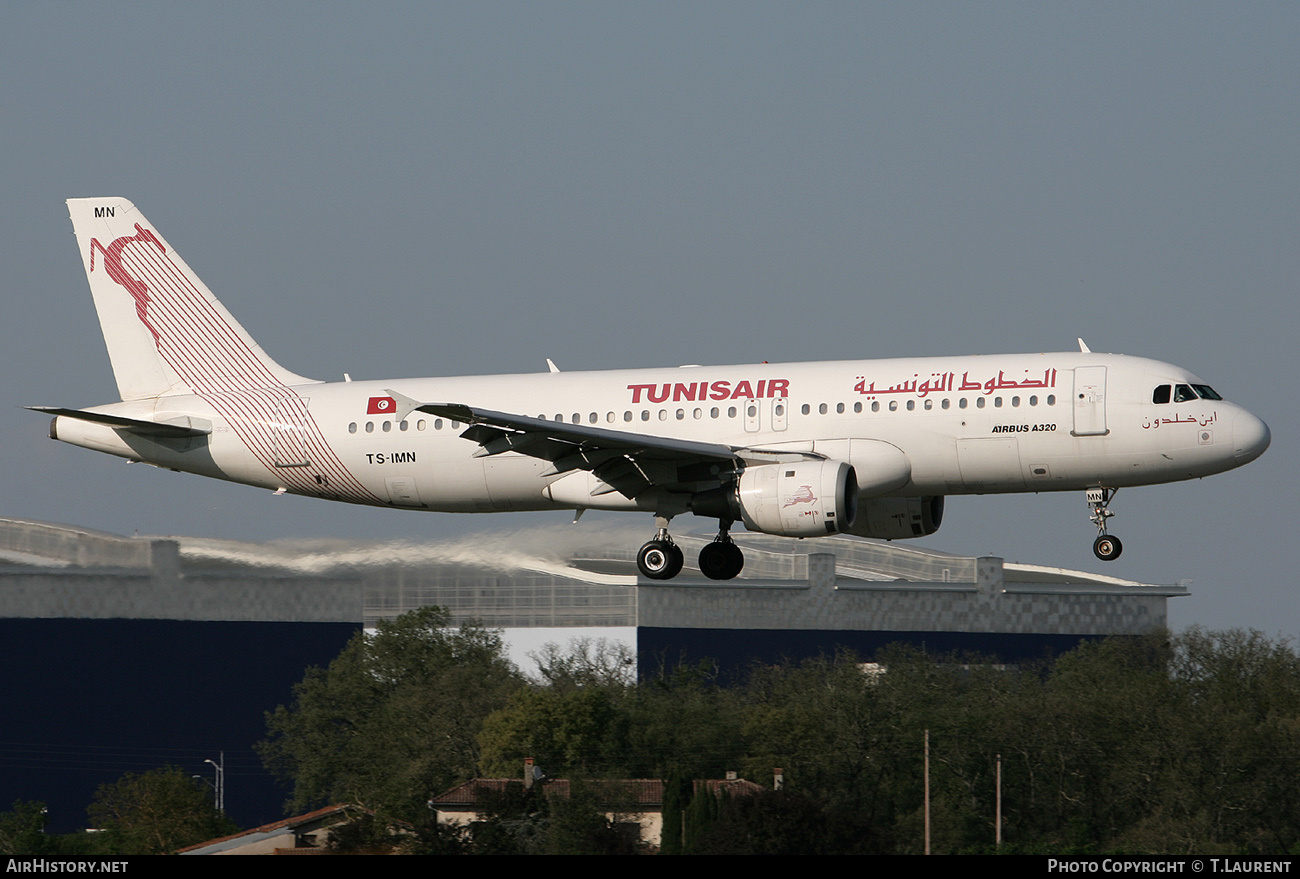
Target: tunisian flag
point(381, 406)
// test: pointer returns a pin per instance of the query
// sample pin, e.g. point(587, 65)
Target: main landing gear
point(721, 559)
point(661, 559)
point(1105, 547)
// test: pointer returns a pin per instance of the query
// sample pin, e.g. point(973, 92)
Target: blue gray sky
point(398, 189)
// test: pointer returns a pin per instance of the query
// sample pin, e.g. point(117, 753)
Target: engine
point(895, 518)
point(805, 499)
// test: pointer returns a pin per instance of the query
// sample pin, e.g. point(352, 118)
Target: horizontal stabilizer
point(186, 427)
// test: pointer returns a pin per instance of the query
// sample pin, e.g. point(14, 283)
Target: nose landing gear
point(1106, 547)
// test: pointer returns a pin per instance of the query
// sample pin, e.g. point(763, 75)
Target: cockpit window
point(1207, 392)
point(1161, 394)
point(1183, 394)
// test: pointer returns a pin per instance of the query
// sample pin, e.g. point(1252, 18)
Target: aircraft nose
point(1250, 437)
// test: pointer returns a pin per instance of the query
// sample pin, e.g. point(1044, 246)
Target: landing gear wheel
point(660, 560)
point(1107, 548)
point(721, 561)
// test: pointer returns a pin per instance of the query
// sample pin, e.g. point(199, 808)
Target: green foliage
point(774, 823)
point(576, 722)
point(683, 722)
point(22, 830)
point(394, 718)
point(677, 796)
point(1158, 745)
point(580, 730)
point(363, 834)
point(700, 817)
point(156, 813)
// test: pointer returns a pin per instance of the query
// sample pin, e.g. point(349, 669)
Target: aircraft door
point(1090, 401)
point(780, 406)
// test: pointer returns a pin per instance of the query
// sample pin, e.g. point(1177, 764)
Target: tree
point(394, 718)
point(156, 813)
point(22, 830)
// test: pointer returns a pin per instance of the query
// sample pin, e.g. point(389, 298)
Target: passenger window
point(911, 404)
point(893, 405)
point(370, 427)
point(1161, 394)
point(821, 410)
point(352, 428)
point(805, 409)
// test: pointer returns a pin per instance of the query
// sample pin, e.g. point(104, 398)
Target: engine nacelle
point(896, 518)
point(806, 499)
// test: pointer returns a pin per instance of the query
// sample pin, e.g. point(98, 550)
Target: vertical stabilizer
point(165, 331)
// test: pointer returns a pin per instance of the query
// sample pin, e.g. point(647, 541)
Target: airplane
point(867, 447)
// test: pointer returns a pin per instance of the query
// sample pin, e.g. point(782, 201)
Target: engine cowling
point(897, 518)
point(805, 499)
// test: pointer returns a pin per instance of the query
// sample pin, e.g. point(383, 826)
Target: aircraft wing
point(625, 461)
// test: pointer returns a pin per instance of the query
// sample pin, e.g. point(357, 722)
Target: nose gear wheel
point(1106, 547)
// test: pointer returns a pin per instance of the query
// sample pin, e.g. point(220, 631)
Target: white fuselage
point(967, 425)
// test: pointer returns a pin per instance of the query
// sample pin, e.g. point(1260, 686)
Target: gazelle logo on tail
point(112, 263)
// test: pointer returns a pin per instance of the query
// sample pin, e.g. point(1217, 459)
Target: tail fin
point(166, 333)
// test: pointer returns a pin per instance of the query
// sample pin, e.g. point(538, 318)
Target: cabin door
point(1090, 401)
